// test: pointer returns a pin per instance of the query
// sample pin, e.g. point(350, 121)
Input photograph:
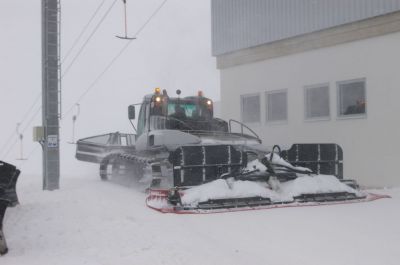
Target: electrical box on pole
point(51, 80)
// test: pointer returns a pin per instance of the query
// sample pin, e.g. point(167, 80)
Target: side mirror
point(131, 112)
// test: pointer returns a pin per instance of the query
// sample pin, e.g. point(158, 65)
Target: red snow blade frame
point(160, 200)
point(218, 178)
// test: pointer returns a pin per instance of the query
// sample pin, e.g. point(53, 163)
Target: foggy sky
point(172, 52)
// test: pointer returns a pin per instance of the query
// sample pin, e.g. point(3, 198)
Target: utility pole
point(51, 93)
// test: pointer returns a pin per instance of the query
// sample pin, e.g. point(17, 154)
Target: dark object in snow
point(8, 196)
point(8, 181)
point(180, 145)
point(3, 244)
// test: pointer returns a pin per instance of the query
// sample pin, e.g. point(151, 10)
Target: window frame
point(141, 128)
point(338, 98)
point(241, 108)
point(320, 118)
point(277, 91)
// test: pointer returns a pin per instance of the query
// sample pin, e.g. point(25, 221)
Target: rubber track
point(129, 158)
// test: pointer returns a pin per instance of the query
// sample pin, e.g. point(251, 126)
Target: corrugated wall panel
point(239, 24)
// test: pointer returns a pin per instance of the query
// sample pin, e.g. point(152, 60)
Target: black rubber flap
point(195, 165)
point(320, 158)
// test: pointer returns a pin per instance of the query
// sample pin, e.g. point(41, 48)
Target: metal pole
point(126, 23)
point(50, 92)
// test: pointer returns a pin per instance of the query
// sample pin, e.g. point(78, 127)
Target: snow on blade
point(221, 189)
point(283, 192)
point(225, 189)
point(158, 203)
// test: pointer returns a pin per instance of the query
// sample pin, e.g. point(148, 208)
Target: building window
point(316, 102)
point(276, 106)
point(351, 98)
point(250, 108)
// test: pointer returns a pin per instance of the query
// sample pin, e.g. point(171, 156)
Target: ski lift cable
point(32, 119)
point(23, 130)
point(82, 32)
point(10, 149)
point(24, 117)
point(88, 39)
point(5, 145)
point(29, 155)
point(151, 17)
point(115, 58)
point(7, 142)
point(97, 79)
point(31, 108)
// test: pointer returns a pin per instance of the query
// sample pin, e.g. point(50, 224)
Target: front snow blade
point(158, 200)
point(233, 203)
point(328, 197)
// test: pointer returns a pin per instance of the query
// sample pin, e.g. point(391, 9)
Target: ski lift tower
point(51, 93)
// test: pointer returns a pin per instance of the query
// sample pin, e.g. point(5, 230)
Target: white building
point(315, 71)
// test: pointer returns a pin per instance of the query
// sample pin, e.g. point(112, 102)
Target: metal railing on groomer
point(160, 123)
point(242, 127)
point(226, 135)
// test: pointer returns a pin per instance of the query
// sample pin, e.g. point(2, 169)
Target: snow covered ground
point(92, 222)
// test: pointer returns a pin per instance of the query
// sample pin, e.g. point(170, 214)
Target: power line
point(32, 119)
point(88, 39)
point(23, 130)
point(98, 78)
point(100, 75)
point(82, 32)
point(11, 148)
point(150, 18)
point(31, 107)
point(115, 58)
point(24, 117)
point(7, 142)
point(66, 56)
point(29, 155)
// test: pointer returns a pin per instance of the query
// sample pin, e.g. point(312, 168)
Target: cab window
point(142, 120)
point(190, 110)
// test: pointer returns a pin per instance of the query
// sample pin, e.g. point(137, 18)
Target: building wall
point(350, 32)
point(370, 144)
point(239, 24)
point(217, 109)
